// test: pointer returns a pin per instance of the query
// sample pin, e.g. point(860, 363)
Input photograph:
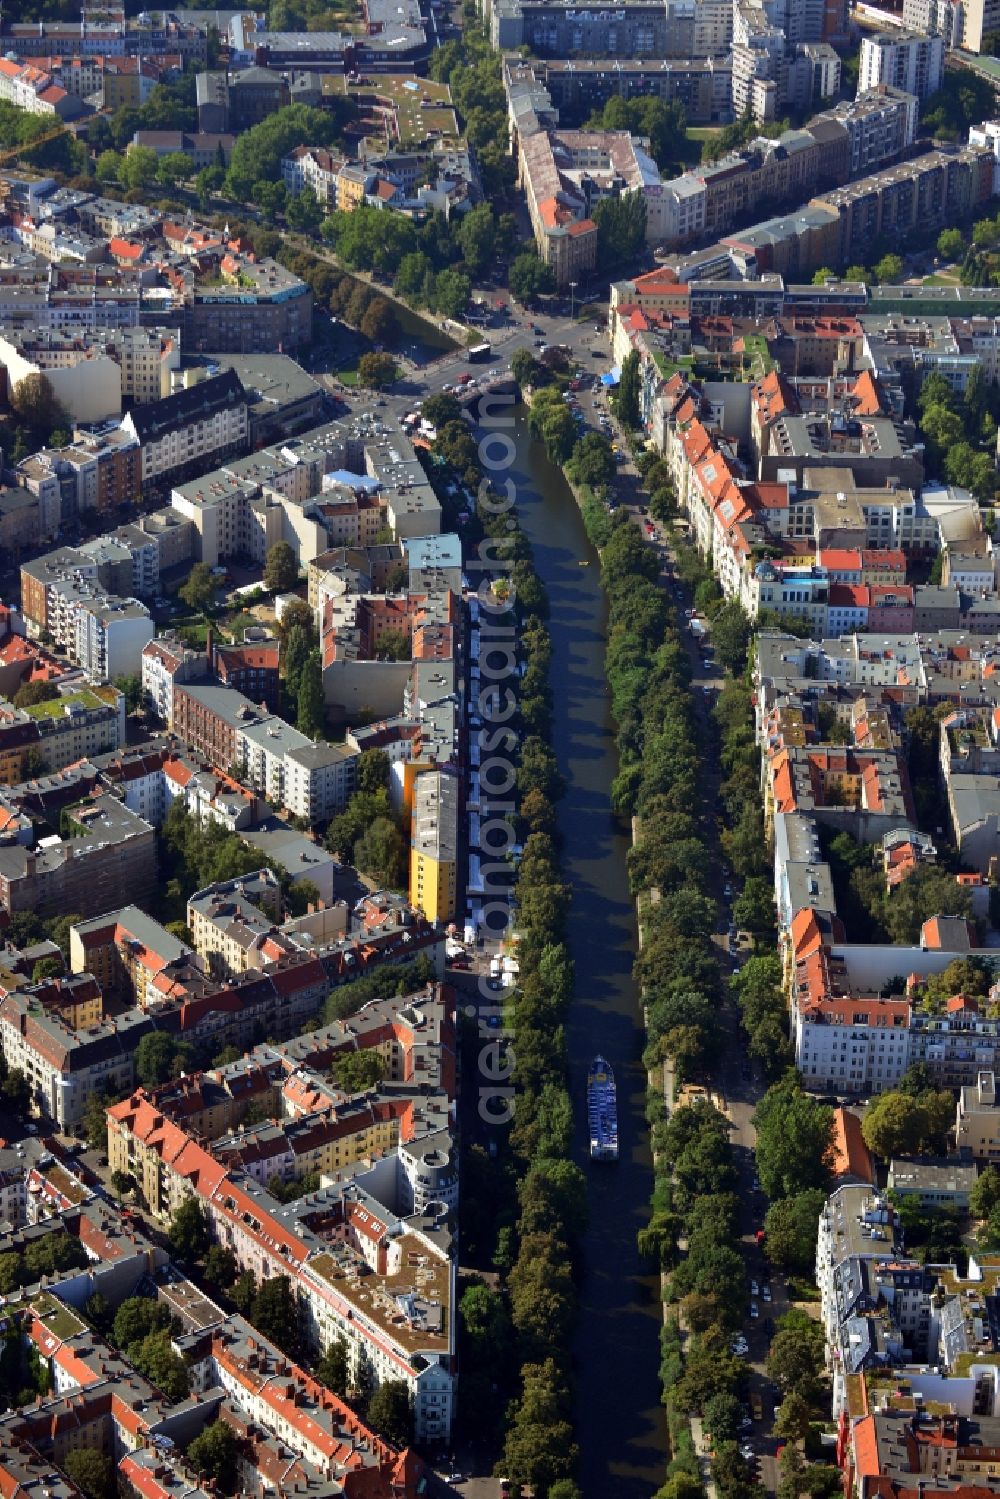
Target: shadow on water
point(621, 1425)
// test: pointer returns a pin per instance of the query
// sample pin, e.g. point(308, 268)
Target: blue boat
point(602, 1111)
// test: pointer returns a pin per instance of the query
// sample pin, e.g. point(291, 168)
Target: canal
point(621, 1425)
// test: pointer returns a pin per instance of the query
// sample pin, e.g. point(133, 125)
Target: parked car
point(766, 1292)
point(754, 1310)
point(754, 1288)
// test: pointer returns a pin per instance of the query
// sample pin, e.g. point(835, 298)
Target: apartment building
point(980, 22)
point(312, 780)
point(434, 831)
point(35, 91)
point(977, 1120)
point(61, 730)
point(111, 850)
point(259, 307)
point(314, 168)
point(576, 88)
point(64, 1066)
point(565, 174)
point(126, 950)
point(907, 60)
point(354, 1259)
point(853, 139)
point(205, 423)
point(230, 922)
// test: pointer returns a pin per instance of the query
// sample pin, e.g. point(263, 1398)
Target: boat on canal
point(602, 1111)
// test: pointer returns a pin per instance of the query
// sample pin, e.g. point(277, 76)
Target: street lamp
point(572, 297)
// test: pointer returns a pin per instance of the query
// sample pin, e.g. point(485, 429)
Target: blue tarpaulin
point(612, 377)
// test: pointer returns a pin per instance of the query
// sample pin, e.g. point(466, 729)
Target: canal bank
point(621, 1426)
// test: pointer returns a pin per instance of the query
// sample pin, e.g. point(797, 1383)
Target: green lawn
point(348, 377)
point(694, 137)
point(54, 707)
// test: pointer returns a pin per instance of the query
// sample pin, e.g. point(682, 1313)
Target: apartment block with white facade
point(907, 60)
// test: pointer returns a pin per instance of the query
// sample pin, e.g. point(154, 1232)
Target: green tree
point(889, 270)
point(372, 772)
point(281, 568)
point(753, 909)
point(212, 1454)
point(172, 168)
point(379, 323)
point(358, 1071)
point(138, 169)
point(154, 1058)
point(132, 689)
point(189, 1230)
point(951, 244)
point(294, 656)
point(379, 853)
point(451, 293)
point(311, 715)
point(731, 633)
point(155, 1358)
point(539, 1449)
point(795, 1358)
point(823, 275)
point(377, 371)
point(95, 1120)
point(303, 212)
point(893, 1125)
point(985, 1194)
point(333, 1369)
point(477, 238)
point(794, 1135)
point(791, 1230)
point(626, 396)
point(220, 1267)
point(793, 1417)
point(390, 1413)
point(123, 1183)
point(91, 1471)
point(108, 167)
point(136, 1318)
point(30, 693)
point(621, 228)
point(592, 462)
point(257, 153)
point(275, 1314)
point(34, 399)
point(529, 278)
point(198, 590)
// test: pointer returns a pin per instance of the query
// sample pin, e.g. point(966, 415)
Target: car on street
point(754, 1310)
point(754, 1288)
point(766, 1292)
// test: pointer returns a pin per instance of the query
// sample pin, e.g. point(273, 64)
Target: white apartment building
point(907, 60)
point(109, 637)
point(312, 780)
point(315, 168)
point(943, 18)
point(207, 420)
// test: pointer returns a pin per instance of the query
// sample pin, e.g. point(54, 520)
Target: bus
point(479, 352)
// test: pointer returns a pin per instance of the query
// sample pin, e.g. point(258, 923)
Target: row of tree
point(526, 1200)
point(694, 1201)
